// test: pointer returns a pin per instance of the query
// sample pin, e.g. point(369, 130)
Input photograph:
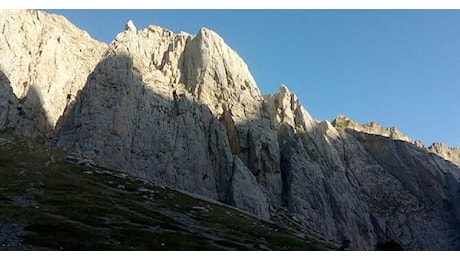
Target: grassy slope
point(49, 203)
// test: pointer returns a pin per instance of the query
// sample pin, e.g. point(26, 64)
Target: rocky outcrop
point(170, 141)
point(184, 111)
point(134, 114)
point(363, 185)
point(47, 61)
point(246, 193)
point(130, 26)
point(216, 75)
point(373, 128)
point(451, 154)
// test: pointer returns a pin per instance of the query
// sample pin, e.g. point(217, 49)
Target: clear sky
point(396, 67)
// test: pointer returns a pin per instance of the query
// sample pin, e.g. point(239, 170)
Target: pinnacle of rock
point(184, 111)
point(129, 26)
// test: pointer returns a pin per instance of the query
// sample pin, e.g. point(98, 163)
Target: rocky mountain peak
point(342, 121)
point(130, 26)
point(215, 74)
point(201, 66)
point(46, 61)
point(286, 109)
point(184, 111)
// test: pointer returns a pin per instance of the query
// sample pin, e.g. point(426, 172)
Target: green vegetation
point(64, 206)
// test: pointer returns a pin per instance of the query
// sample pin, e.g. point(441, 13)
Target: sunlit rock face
point(449, 153)
point(184, 111)
point(46, 60)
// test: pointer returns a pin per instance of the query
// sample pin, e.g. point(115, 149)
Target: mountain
point(53, 201)
point(183, 111)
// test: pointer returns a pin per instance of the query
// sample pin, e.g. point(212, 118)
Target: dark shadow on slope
point(32, 117)
point(426, 175)
point(25, 116)
point(8, 102)
point(428, 179)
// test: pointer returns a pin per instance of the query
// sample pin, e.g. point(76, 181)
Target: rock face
point(184, 111)
point(135, 101)
point(449, 153)
point(373, 128)
point(8, 103)
point(47, 61)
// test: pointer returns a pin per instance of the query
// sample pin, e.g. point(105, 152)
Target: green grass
point(75, 211)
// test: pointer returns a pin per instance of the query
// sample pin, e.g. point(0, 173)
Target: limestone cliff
point(184, 111)
point(135, 114)
point(449, 153)
point(46, 61)
point(372, 128)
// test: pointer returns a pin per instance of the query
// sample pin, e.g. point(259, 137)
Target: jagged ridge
point(184, 111)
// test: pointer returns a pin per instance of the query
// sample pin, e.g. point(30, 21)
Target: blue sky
point(396, 67)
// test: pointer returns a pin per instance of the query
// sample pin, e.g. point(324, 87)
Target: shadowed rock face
point(184, 111)
point(8, 102)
